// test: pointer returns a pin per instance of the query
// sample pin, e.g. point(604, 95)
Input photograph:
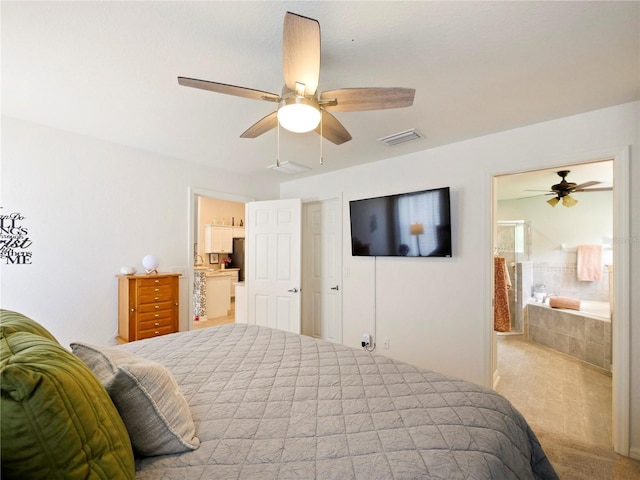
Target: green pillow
point(57, 420)
point(12, 322)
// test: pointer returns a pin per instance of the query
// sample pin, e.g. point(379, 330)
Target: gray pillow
point(147, 397)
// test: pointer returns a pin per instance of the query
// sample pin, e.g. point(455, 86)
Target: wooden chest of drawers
point(147, 306)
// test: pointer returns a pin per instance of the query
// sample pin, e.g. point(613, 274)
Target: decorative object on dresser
point(150, 264)
point(147, 306)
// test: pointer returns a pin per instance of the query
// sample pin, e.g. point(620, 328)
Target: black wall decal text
point(14, 240)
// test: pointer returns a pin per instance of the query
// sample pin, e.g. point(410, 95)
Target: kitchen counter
point(221, 272)
point(215, 270)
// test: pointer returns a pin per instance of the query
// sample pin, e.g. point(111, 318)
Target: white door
point(322, 270)
point(273, 263)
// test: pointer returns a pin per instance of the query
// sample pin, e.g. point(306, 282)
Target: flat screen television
point(414, 224)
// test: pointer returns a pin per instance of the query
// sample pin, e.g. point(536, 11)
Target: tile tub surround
point(573, 333)
point(561, 279)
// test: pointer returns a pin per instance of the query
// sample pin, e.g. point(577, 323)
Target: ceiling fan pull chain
point(278, 145)
point(321, 156)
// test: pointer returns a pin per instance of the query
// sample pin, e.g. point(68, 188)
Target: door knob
point(293, 290)
point(337, 287)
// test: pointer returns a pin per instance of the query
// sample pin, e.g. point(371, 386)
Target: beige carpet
point(574, 460)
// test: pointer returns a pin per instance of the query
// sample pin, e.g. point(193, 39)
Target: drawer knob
point(157, 324)
point(157, 315)
point(157, 307)
point(156, 298)
point(157, 281)
point(157, 332)
point(157, 290)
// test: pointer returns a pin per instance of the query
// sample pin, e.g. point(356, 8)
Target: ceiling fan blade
point(261, 126)
point(228, 89)
point(585, 185)
point(301, 52)
point(361, 99)
point(333, 130)
point(600, 189)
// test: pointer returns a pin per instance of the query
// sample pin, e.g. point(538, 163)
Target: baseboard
point(496, 379)
point(634, 452)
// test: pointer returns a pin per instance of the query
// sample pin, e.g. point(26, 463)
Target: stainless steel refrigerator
point(237, 257)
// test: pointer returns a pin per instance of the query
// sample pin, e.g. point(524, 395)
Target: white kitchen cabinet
point(234, 279)
point(241, 303)
point(218, 299)
point(218, 239)
point(238, 232)
point(233, 274)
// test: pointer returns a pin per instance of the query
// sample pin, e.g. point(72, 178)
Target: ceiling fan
point(300, 107)
point(564, 189)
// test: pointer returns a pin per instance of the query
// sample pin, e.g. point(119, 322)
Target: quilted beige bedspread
point(272, 404)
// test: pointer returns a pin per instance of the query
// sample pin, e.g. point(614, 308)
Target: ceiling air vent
point(288, 168)
point(401, 137)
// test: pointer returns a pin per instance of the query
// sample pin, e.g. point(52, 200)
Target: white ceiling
point(108, 70)
point(539, 182)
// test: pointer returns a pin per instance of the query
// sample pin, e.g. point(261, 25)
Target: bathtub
point(590, 308)
point(584, 334)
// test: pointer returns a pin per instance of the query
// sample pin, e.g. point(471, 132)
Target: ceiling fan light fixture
point(298, 114)
point(569, 201)
point(553, 201)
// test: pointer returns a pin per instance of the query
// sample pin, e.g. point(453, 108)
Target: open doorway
point(557, 228)
point(216, 223)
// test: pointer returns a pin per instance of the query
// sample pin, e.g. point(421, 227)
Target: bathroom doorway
point(557, 227)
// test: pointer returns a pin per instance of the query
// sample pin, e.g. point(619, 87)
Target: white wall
point(91, 207)
point(589, 222)
point(436, 312)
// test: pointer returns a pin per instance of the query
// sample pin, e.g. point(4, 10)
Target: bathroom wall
point(589, 222)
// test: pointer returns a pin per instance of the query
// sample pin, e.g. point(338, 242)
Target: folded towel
point(589, 263)
point(564, 302)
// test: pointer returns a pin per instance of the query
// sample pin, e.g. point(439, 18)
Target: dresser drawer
point(155, 323)
point(151, 289)
point(155, 315)
point(155, 297)
point(155, 282)
point(154, 332)
point(155, 307)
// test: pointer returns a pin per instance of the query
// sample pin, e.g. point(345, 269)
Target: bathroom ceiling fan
point(564, 189)
point(300, 107)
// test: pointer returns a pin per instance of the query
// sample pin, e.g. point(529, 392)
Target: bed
point(272, 404)
point(246, 402)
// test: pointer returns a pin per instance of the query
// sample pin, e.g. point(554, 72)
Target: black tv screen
point(415, 224)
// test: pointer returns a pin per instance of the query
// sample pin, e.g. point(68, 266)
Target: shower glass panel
point(513, 243)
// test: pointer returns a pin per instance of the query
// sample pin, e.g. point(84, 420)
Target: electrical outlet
point(366, 340)
point(385, 344)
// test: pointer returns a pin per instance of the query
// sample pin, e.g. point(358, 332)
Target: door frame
point(620, 336)
point(192, 201)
